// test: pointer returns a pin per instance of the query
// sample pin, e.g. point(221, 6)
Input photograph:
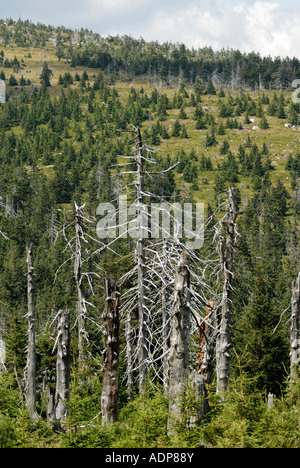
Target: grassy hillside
point(224, 118)
point(280, 140)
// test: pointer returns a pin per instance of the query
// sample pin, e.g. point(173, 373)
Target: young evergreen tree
point(210, 139)
point(264, 353)
point(263, 123)
point(210, 89)
point(176, 129)
point(45, 75)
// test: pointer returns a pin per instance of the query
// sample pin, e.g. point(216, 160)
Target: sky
point(270, 27)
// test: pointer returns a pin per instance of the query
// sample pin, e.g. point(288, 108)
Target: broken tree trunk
point(224, 338)
point(62, 392)
point(294, 337)
point(49, 397)
point(179, 341)
point(30, 369)
point(203, 375)
point(197, 383)
point(110, 384)
point(206, 345)
point(270, 403)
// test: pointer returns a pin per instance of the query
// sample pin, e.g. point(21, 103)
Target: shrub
point(89, 437)
point(7, 432)
point(143, 422)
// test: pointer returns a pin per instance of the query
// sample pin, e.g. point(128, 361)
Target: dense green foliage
point(243, 421)
point(61, 134)
point(117, 55)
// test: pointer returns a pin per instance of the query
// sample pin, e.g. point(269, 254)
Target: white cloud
point(269, 28)
point(111, 8)
point(261, 26)
point(211, 23)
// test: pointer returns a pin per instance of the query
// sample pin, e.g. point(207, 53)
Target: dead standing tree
point(223, 344)
point(182, 370)
point(165, 317)
point(81, 299)
point(179, 341)
point(162, 258)
point(140, 248)
point(62, 393)
point(151, 279)
point(207, 334)
point(219, 334)
point(2, 353)
point(30, 369)
point(110, 383)
point(294, 336)
point(82, 247)
point(139, 290)
point(139, 295)
point(58, 403)
point(2, 341)
point(204, 374)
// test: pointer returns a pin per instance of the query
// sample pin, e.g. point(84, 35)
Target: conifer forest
point(117, 330)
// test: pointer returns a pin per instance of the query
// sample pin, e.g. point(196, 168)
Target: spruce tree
point(264, 123)
point(45, 75)
point(176, 129)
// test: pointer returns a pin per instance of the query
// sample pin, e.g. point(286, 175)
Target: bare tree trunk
point(62, 393)
point(110, 384)
point(207, 345)
point(294, 337)
point(2, 92)
point(49, 395)
point(224, 338)
point(142, 344)
point(2, 354)
point(203, 375)
point(166, 322)
point(30, 369)
point(270, 403)
point(2, 344)
point(81, 301)
point(50, 410)
point(180, 340)
point(128, 337)
point(197, 383)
